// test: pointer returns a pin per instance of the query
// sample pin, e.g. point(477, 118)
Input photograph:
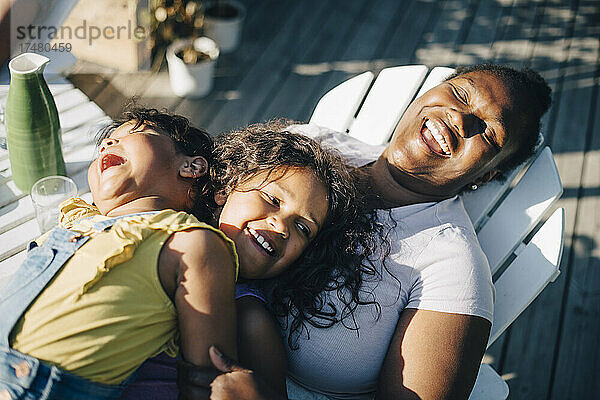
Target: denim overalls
point(26, 377)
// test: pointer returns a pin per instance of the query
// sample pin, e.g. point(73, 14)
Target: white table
point(80, 119)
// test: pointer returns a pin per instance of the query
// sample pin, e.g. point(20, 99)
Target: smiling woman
point(425, 333)
point(435, 292)
point(531, 97)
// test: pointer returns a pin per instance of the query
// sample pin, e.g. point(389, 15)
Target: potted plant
point(172, 20)
point(191, 65)
point(223, 21)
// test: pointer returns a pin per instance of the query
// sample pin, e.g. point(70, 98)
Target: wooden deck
point(294, 51)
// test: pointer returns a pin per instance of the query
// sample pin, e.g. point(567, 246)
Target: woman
point(428, 335)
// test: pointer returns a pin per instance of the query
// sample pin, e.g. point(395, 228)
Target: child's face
point(273, 222)
point(133, 164)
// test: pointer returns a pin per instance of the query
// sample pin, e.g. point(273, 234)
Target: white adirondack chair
point(524, 252)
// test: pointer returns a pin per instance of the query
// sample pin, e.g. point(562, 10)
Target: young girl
point(258, 173)
point(134, 277)
point(336, 261)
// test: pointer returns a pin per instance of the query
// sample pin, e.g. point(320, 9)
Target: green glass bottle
point(32, 125)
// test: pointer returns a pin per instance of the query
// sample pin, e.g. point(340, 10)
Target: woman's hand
point(237, 382)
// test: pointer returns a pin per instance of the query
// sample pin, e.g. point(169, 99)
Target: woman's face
point(273, 221)
point(454, 134)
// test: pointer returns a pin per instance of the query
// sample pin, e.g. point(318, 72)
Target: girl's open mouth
point(111, 160)
point(262, 242)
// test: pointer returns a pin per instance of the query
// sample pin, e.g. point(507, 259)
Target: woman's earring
point(474, 187)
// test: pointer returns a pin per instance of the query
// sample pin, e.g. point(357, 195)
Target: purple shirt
point(157, 379)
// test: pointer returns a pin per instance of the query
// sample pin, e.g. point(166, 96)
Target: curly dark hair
point(340, 256)
point(187, 139)
point(534, 98)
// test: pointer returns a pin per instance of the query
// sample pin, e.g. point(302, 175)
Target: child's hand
point(236, 382)
point(193, 381)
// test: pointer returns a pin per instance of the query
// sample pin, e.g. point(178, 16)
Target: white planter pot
point(225, 31)
point(192, 80)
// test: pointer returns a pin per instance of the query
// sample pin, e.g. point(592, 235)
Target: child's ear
point(193, 167)
point(220, 198)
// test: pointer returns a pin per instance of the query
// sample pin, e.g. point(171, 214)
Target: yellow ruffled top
point(106, 312)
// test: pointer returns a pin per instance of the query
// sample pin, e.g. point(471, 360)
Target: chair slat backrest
point(489, 386)
point(527, 275)
point(521, 210)
point(480, 202)
point(385, 103)
point(337, 108)
point(437, 75)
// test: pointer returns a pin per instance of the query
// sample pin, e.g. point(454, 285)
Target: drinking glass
point(46, 195)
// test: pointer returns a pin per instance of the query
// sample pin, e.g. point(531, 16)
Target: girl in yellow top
point(139, 275)
point(92, 302)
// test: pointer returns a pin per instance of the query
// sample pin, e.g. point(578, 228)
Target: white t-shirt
point(436, 263)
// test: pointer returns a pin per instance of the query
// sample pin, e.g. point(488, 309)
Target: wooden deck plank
point(158, 94)
point(120, 90)
point(265, 21)
point(550, 55)
point(363, 45)
point(484, 31)
point(530, 356)
point(90, 79)
point(577, 342)
point(307, 72)
point(518, 39)
point(90, 84)
point(263, 78)
point(417, 18)
point(438, 46)
point(578, 365)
